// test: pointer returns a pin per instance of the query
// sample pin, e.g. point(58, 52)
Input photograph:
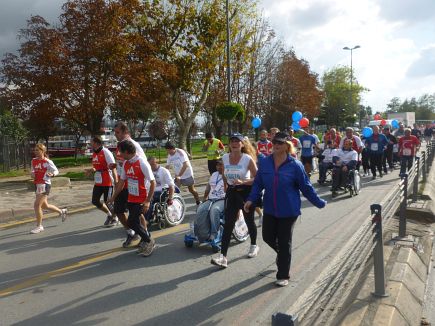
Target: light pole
point(351, 74)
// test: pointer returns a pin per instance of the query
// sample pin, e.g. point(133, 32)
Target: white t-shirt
point(236, 171)
point(216, 183)
point(177, 160)
point(329, 153)
point(347, 156)
point(163, 178)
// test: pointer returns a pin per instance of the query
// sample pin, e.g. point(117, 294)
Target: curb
point(406, 272)
point(83, 207)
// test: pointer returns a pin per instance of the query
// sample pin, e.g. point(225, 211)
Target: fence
point(334, 289)
point(14, 155)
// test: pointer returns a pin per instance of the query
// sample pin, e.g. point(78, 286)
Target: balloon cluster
point(298, 121)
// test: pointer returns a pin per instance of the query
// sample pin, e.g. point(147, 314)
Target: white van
point(378, 123)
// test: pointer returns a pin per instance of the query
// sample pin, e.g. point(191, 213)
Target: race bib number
point(133, 187)
point(232, 172)
point(374, 146)
point(98, 177)
point(395, 148)
point(40, 188)
point(407, 152)
point(306, 144)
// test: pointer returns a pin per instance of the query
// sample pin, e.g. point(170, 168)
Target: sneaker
point(282, 283)
point(253, 251)
point(381, 174)
point(107, 222)
point(148, 247)
point(374, 177)
point(63, 214)
point(364, 175)
point(141, 246)
point(114, 221)
point(220, 261)
point(129, 240)
point(38, 229)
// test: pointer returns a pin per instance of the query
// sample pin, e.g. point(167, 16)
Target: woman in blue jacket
point(282, 177)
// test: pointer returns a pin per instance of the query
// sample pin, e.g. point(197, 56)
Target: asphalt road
point(76, 273)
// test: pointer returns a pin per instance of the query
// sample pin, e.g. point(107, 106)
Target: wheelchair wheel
point(356, 182)
point(240, 231)
point(175, 212)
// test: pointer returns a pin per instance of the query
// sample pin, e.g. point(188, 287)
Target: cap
point(280, 136)
point(237, 136)
point(169, 145)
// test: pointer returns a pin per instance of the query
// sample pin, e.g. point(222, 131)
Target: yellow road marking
point(12, 224)
point(95, 258)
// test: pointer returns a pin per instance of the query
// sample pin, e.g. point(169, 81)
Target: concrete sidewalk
point(16, 200)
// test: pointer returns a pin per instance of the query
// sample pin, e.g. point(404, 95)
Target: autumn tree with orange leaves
point(96, 61)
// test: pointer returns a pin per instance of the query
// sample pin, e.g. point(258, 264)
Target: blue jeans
point(323, 167)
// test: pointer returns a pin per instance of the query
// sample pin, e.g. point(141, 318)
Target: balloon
point(383, 122)
point(395, 124)
point(296, 126)
point(296, 116)
point(304, 122)
point(378, 117)
point(256, 122)
point(367, 132)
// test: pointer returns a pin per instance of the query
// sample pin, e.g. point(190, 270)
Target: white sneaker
point(253, 251)
point(283, 282)
point(63, 213)
point(38, 229)
point(220, 261)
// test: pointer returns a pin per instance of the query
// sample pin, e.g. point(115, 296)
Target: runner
point(120, 205)
point(239, 173)
point(183, 169)
point(42, 171)
point(104, 177)
point(408, 147)
point(388, 153)
point(308, 144)
point(264, 146)
point(214, 149)
point(136, 172)
point(163, 180)
point(376, 146)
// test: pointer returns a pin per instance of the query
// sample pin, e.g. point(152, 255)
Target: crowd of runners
point(266, 177)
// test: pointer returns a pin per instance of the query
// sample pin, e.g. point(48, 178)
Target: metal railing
point(14, 155)
point(324, 302)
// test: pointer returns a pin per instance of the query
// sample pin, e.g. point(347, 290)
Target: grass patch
point(14, 173)
point(64, 162)
point(77, 176)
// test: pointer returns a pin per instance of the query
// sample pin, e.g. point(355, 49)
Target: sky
point(396, 57)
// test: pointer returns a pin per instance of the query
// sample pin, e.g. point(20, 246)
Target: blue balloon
point(296, 116)
point(256, 122)
point(296, 126)
point(367, 132)
point(395, 124)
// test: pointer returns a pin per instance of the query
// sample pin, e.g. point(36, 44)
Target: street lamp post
point(351, 74)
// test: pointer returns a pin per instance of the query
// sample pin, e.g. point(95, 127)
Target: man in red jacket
point(408, 147)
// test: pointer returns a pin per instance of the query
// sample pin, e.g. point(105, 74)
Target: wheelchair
point(353, 185)
point(240, 231)
point(168, 215)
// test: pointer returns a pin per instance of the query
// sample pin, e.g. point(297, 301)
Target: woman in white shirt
point(239, 173)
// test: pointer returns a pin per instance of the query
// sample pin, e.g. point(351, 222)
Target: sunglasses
point(277, 142)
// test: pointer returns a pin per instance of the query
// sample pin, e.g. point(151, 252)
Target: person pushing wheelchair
point(344, 161)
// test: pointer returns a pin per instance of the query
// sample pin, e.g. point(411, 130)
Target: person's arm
point(256, 190)
point(148, 173)
point(205, 145)
point(206, 192)
point(110, 159)
point(253, 171)
point(52, 171)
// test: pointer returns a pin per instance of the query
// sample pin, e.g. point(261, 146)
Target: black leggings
point(376, 162)
point(234, 201)
point(135, 210)
point(277, 233)
point(97, 192)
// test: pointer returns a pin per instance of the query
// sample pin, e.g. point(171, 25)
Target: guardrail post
point(378, 252)
point(417, 172)
point(403, 205)
point(424, 165)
